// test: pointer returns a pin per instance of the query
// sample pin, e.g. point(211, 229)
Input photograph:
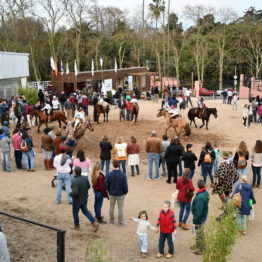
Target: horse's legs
point(194, 122)
point(203, 123)
point(59, 121)
point(64, 122)
point(206, 124)
point(39, 125)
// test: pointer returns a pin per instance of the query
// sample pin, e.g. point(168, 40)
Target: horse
point(178, 123)
point(56, 115)
point(195, 112)
point(134, 110)
point(79, 133)
point(99, 109)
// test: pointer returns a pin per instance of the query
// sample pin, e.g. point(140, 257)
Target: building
point(14, 70)
point(130, 77)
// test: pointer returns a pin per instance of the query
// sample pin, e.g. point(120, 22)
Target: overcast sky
point(177, 5)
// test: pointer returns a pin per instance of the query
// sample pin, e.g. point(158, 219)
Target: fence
point(60, 236)
point(43, 84)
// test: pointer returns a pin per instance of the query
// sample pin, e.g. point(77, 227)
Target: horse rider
point(79, 118)
point(173, 112)
point(201, 106)
point(134, 100)
point(101, 101)
point(47, 108)
point(55, 103)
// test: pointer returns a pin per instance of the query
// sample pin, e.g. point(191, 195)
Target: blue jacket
point(116, 183)
point(173, 102)
point(246, 193)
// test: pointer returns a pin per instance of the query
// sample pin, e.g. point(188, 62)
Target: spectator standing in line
point(153, 150)
point(69, 109)
point(188, 97)
point(216, 160)
point(16, 141)
point(165, 144)
point(62, 100)
point(189, 159)
point(83, 162)
point(250, 114)
point(256, 162)
point(133, 150)
point(200, 212)
point(105, 154)
point(117, 188)
point(27, 147)
point(245, 116)
point(229, 96)
point(254, 110)
point(240, 158)
point(224, 95)
point(234, 101)
point(5, 151)
point(121, 106)
point(6, 129)
point(79, 194)
point(47, 149)
point(120, 150)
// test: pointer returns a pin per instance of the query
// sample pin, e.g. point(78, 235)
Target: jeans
point(162, 240)
point(224, 100)
point(107, 165)
point(143, 243)
point(188, 99)
point(245, 121)
point(242, 171)
point(256, 170)
point(254, 116)
point(215, 164)
point(207, 171)
point(85, 108)
point(63, 178)
point(18, 158)
point(123, 163)
point(133, 169)
point(172, 171)
point(234, 105)
point(6, 161)
point(98, 202)
point(163, 163)
point(153, 158)
point(122, 113)
point(120, 203)
point(127, 114)
point(242, 222)
point(191, 174)
point(29, 158)
point(83, 206)
point(184, 206)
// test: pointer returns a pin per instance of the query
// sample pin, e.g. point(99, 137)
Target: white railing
point(35, 84)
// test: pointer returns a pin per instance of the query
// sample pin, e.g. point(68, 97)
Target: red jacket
point(100, 185)
point(72, 99)
point(85, 101)
point(128, 105)
point(166, 221)
point(181, 197)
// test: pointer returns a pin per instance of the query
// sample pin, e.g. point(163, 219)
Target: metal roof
point(14, 65)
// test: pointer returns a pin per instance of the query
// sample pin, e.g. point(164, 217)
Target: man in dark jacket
point(117, 188)
point(80, 186)
point(62, 99)
point(200, 212)
point(189, 159)
point(41, 97)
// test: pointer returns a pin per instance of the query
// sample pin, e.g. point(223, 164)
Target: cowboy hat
point(227, 154)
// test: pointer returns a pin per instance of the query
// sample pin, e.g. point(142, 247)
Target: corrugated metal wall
point(14, 65)
point(9, 87)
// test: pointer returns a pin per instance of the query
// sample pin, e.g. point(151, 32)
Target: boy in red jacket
point(167, 223)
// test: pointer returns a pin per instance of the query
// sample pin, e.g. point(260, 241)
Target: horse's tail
point(187, 130)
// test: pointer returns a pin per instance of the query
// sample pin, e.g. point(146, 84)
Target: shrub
point(220, 236)
point(95, 251)
point(31, 94)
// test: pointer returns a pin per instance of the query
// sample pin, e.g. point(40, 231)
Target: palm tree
point(157, 7)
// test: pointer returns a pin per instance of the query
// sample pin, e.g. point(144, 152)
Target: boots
point(95, 226)
point(101, 221)
point(184, 226)
point(180, 224)
point(46, 165)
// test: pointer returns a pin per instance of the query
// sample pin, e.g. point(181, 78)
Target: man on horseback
point(79, 118)
point(173, 112)
point(101, 101)
point(47, 109)
point(201, 106)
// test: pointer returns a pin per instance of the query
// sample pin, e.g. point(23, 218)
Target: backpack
point(241, 162)
point(207, 158)
point(24, 147)
point(237, 198)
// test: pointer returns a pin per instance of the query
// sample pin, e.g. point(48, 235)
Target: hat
point(244, 178)
point(227, 154)
point(5, 123)
point(128, 97)
point(153, 132)
point(63, 148)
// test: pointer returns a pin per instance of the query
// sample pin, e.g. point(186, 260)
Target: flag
point(115, 66)
point(61, 68)
point(52, 63)
point(93, 68)
point(76, 71)
point(67, 68)
point(101, 62)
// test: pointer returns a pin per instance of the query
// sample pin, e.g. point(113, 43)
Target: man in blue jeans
point(80, 187)
point(153, 149)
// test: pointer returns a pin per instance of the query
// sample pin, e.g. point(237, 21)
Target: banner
point(107, 85)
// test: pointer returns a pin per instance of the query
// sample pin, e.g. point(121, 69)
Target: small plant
point(95, 251)
point(220, 236)
point(31, 94)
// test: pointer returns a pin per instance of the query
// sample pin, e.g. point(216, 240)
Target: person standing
point(47, 149)
point(83, 162)
point(217, 153)
point(120, 150)
point(121, 106)
point(16, 141)
point(28, 152)
point(133, 150)
point(234, 101)
point(173, 155)
point(85, 103)
point(79, 194)
point(189, 159)
point(55, 103)
point(105, 154)
point(245, 116)
point(230, 96)
point(127, 107)
point(165, 144)
point(259, 112)
point(240, 158)
point(99, 186)
point(224, 95)
point(117, 188)
point(57, 142)
point(200, 212)
point(256, 162)
point(69, 109)
point(62, 100)
point(5, 151)
point(153, 150)
point(4, 252)
point(254, 110)
point(185, 194)
point(188, 97)
point(62, 164)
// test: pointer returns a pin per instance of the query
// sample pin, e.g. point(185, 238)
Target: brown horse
point(99, 109)
point(57, 115)
point(179, 124)
point(134, 110)
point(79, 133)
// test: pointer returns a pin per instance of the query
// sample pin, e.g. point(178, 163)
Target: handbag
point(189, 193)
point(237, 198)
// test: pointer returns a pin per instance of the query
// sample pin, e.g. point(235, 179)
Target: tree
point(157, 7)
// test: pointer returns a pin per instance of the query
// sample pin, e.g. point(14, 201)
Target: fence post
point(61, 246)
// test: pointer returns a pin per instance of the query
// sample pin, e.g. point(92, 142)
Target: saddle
point(173, 118)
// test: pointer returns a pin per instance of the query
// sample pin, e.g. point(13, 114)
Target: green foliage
point(31, 94)
point(220, 236)
point(95, 251)
point(109, 94)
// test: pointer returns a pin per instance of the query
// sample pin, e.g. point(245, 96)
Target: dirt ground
point(30, 195)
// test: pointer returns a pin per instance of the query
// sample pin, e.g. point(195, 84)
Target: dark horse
point(195, 112)
point(56, 115)
point(134, 110)
point(99, 109)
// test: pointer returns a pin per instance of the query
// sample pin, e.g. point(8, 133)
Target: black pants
point(229, 100)
point(162, 240)
point(254, 116)
point(172, 170)
point(245, 121)
point(18, 158)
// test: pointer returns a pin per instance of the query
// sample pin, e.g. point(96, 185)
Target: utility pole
point(143, 28)
point(168, 38)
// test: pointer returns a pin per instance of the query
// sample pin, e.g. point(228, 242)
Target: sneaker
point(158, 178)
point(169, 256)
point(150, 179)
point(158, 255)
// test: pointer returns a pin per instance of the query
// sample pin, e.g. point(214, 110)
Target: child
point(167, 223)
point(189, 159)
point(142, 225)
point(217, 152)
point(245, 115)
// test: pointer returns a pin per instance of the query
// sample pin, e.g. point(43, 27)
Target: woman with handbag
point(185, 194)
point(120, 150)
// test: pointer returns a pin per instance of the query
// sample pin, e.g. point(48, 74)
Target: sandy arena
point(31, 196)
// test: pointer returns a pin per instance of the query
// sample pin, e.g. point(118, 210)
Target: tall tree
point(157, 7)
